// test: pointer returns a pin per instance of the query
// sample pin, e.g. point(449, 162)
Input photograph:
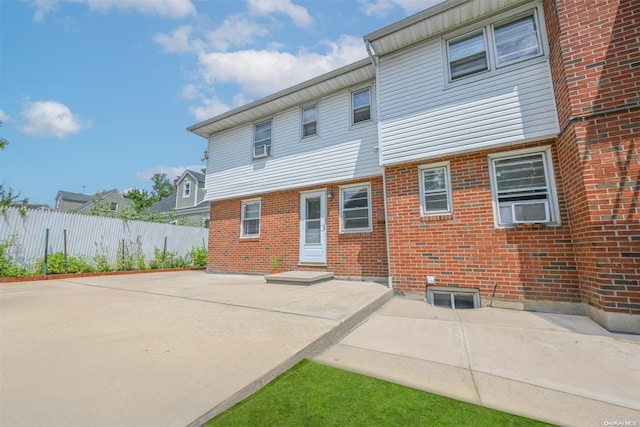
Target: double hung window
point(355, 208)
point(310, 120)
point(186, 189)
point(493, 46)
point(523, 188)
point(262, 139)
point(435, 189)
point(361, 105)
point(250, 220)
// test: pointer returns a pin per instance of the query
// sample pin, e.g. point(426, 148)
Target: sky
point(97, 94)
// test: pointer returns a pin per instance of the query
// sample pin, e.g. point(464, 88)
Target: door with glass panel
point(313, 228)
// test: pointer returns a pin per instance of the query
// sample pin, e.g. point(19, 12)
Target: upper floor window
point(435, 189)
point(523, 187)
point(250, 221)
point(355, 208)
point(361, 105)
point(186, 189)
point(262, 139)
point(494, 46)
point(113, 206)
point(310, 120)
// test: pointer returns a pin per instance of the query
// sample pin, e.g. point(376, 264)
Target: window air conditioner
point(261, 151)
point(530, 212)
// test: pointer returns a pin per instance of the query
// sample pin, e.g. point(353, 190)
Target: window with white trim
point(456, 298)
point(494, 46)
point(113, 206)
point(361, 105)
point(250, 220)
point(355, 208)
point(310, 120)
point(262, 139)
point(186, 189)
point(435, 189)
point(523, 188)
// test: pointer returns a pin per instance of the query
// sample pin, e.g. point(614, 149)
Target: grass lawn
point(310, 394)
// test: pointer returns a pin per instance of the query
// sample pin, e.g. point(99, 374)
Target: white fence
point(90, 236)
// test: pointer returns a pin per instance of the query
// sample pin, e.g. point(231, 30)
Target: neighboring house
point(113, 200)
point(186, 205)
point(486, 153)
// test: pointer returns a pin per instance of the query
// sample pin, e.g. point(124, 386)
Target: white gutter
point(375, 61)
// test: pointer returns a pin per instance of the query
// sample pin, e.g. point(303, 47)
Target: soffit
point(438, 19)
point(302, 93)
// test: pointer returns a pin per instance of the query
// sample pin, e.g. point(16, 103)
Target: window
point(186, 189)
point(435, 189)
point(511, 41)
point(262, 139)
point(361, 105)
point(523, 188)
point(468, 55)
point(453, 297)
point(310, 121)
point(113, 206)
point(355, 208)
point(250, 218)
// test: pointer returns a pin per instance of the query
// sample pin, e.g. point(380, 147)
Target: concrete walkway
point(160, 349)
point(562, 369)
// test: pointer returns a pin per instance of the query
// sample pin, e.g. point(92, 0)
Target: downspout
point(376, 64)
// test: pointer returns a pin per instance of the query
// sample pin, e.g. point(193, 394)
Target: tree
point(7, 198)
point(141, 199)
point(3, 141)
point(162, 187)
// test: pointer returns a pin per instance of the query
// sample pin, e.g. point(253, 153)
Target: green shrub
point(56, 264)
point(199, 256)
point(8, 268)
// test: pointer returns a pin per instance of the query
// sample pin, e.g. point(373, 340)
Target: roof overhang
point(315, 88)
point(441, 18)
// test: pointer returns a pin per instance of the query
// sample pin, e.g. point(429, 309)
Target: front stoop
point(299, 277)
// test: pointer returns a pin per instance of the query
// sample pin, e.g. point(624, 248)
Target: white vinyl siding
point(339, 153)
point(435, 189)
point(422, 116)
point(523, 188)
point(355, 208)
point(250, 218)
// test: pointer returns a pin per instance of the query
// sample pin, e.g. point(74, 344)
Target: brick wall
point(595, 63)
point(348, 254)
point(465, 249)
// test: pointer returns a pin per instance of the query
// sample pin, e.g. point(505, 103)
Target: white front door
point(313, 227)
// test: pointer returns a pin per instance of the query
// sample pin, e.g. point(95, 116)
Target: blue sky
point(97, 94)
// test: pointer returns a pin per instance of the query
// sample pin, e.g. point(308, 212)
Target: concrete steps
point(299, 277)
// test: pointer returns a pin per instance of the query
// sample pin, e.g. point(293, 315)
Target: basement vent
point(457, 298)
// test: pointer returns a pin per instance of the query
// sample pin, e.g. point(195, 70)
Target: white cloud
point(298, 14)
point(166, 8)
point(209, 107)
point(3, 116)
point(190, 92)
point(260, 72)
point(236, 30)
point(383, 7)
point(176, 41)
point(51, 119)
point(172, 172)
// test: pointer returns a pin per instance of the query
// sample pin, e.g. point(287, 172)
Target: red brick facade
point(465, 249)
point(348, 254)
point(595, 65)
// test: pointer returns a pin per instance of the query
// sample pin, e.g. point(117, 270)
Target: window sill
point(436, 218)
point(249, 238)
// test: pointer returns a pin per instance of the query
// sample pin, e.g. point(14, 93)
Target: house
point(186, 205)
point(113, 200)
point(485, 154)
